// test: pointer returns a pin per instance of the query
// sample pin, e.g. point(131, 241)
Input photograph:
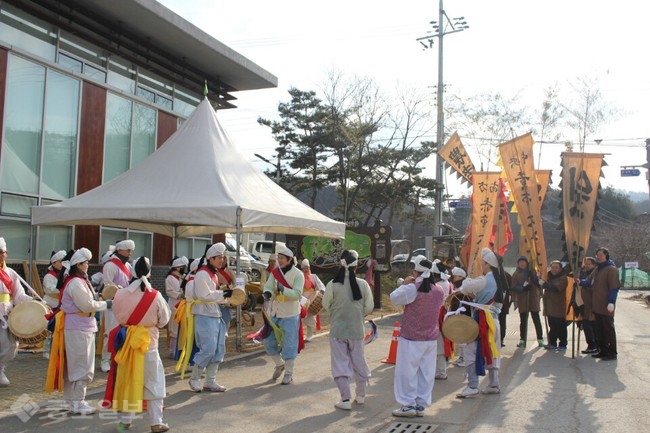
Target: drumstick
point(30, 288)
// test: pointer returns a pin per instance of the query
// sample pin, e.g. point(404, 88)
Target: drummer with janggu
point(11, 294)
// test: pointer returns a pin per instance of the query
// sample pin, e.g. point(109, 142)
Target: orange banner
point(518, 165)
point(455, 155)
point(486, 186)
point(580, 177)
point(543, 181)
point(502, 232)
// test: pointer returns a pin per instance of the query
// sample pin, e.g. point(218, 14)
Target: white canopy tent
point(198, 182)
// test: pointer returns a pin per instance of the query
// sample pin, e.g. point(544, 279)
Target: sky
point(512, 47)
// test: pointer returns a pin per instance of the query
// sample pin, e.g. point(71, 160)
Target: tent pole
point(174, 246)
point(238, 342)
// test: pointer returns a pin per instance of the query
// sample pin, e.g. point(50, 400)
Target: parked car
point(399, 260)
point(231, 254)
point(263, 249)
point(257, 267)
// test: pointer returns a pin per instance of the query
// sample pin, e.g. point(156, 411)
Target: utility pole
point(647, 158)
point(443, 26)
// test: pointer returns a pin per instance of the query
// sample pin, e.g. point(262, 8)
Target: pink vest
point(420, 320)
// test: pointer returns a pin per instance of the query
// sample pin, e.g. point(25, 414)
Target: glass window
point(17, 236)
point(185, 101)
point(27, 32)
point(70, 63)
point(146, 94)
point(60, 137)
point(143, 241)
point(155, 82)
point(192, 248)
point(121, 74)
point(53, 238)
point(21, 145)
point(82, 49)
point(144, 134)
point(164, 102)
point(17, 205)
point(95, 73)
point(118, 136)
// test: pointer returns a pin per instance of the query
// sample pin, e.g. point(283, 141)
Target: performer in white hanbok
point(415, 368)
point(313, 285)
point(484, 351)
point(11, 294)
point(349, 300)
point(142, 310)
point(116, 271)
point(79, 305)
point(174, 293)
point(51, 298)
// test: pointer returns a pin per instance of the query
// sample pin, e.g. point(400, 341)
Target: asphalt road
point(541, 391)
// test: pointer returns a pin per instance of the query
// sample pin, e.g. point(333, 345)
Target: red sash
point(309, 283)
point(135, 318)
point(6, 280)
point(117, 262)
point(53, 273)
point(225, 275)
point(213, 276)
point(279, 277)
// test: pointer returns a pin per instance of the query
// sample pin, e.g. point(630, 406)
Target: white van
point(263, 249)
point(231, 253)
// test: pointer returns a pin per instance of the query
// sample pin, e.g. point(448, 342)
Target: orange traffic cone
point(392, 352)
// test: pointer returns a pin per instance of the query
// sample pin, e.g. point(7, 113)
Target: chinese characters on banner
point(487, 187)
point(454, 154)
point(580, 179)
point(518, 165)
point(543, 181)
point(502, 228)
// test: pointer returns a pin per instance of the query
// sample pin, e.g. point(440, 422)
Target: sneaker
point(492, 390)
point(540, 342)
point(561, 348)
point(287, 379)
point(609, 358)
point(278, 371)
point(522, 344)
point(81, 408)
point(468, 393)
point(359, 399)
point(419, 411)
point(4, 380)
point(406, 411)
point(195, 385)
point(106, 365)
point(344, 404)
point(441, 376)
point(158, 428)
point(214, 387)
point(589, 351)
point(550, 347)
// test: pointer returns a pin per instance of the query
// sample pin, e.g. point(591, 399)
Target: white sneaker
point(81, 408)
point(4, 380)
point(213, 387)
point(492, 390)
point(441, 376)
point(287, 379)
point(405, 412)
point(278, 371)
point(468, 393)
point(345, 405)
point(106, 365)
point(195, 385)
point(359, 399)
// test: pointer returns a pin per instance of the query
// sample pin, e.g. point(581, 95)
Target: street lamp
point(277, 166)
point(444, 26)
